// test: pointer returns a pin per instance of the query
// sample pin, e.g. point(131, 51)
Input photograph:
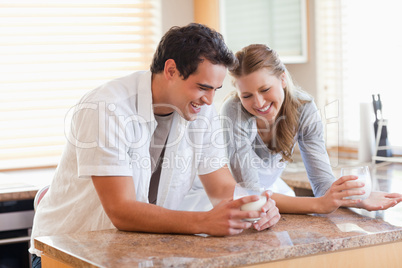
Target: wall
point(176, 13)
point(305, 74)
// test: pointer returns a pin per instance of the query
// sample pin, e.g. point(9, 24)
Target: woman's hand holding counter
point(380, 201)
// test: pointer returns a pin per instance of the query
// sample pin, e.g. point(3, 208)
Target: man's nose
point(208, 98)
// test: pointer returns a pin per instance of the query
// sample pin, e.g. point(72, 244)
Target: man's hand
point(227, 219)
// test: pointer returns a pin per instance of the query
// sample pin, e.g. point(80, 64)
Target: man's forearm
point(144, 217)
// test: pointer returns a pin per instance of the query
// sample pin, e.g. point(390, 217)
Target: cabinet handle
point(15, 240)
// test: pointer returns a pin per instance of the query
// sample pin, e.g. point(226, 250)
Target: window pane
point(281, 24)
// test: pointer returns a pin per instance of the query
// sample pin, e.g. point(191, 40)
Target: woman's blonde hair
point(255, 57)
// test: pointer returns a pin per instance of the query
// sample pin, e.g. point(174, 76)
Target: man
point(141, 140)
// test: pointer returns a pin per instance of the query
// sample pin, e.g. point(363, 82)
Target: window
point(280, 24)
point(51, 53)
point(360, 52)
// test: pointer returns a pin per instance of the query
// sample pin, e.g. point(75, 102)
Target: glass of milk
point(243, 189)
point(363, 174)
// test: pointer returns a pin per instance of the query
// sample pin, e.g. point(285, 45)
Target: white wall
point(176, 13)
point(305, 74)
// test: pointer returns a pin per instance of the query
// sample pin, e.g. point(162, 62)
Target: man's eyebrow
point(207, 86)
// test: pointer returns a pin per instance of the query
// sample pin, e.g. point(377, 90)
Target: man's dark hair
point(188, 45)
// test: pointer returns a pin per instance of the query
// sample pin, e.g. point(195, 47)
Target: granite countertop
point(24, 184)
point(293, 236)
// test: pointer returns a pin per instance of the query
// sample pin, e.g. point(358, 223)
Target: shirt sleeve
point(99, 141)
point(313, 151)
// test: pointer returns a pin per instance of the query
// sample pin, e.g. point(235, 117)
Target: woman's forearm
point(298, 205)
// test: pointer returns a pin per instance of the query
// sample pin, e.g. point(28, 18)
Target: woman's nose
point(259, 101)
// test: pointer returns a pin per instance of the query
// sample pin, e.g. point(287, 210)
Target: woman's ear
point(170, 69)
point(283, 80)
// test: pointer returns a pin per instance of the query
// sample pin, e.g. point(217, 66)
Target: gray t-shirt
point(156, 152)
point(251, 160)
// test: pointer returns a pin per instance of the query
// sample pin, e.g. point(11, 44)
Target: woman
point(265, 118)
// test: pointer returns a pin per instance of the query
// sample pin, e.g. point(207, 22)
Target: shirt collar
point(144, 100)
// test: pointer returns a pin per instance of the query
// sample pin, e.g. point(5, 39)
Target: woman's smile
point(265, 109)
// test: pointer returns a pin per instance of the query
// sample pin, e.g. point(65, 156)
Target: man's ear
point(170, 69)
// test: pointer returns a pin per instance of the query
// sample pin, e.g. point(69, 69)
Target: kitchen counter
point(347, 237)
point(24, 184)
point(17, 191)
point(338, 238)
